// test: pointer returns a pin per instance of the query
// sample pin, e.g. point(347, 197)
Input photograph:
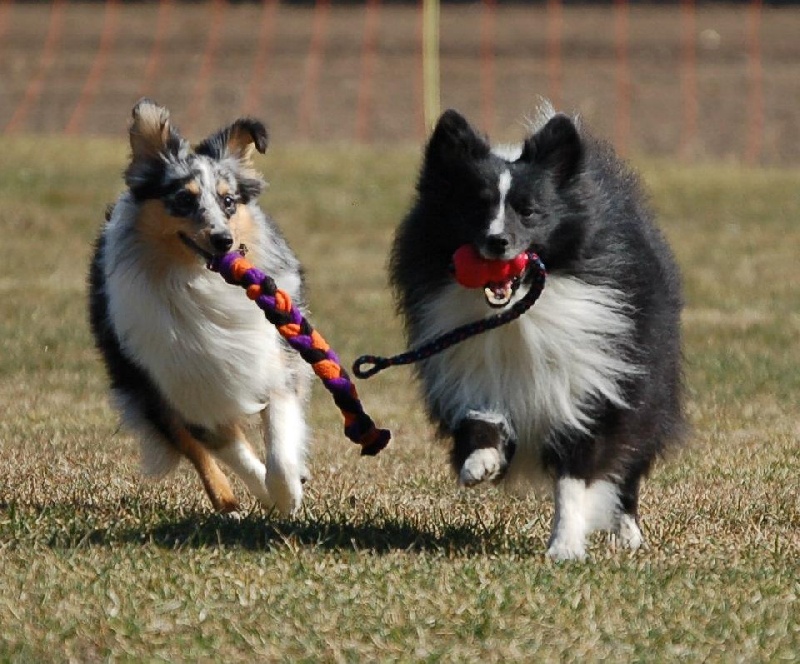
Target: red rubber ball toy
point(472, 270)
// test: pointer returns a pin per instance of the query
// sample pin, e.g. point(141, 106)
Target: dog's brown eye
point(229, 203)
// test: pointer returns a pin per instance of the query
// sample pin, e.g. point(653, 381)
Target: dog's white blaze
point(498, 224)
point(580, 509)
point(541, 371)
point(204, 172)
point(209, 349)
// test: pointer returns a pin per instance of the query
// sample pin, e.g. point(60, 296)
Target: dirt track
point(260, 61)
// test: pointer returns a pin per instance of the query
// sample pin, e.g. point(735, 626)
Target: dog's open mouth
point(499, 293)
point(499, 279)
point(196, 248)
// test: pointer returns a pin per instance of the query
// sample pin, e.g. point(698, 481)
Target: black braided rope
point(367, 366)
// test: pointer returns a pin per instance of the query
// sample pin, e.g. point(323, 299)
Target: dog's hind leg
point(285, 441)
point(230, 445)
point(214, 481)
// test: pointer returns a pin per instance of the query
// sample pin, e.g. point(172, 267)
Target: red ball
point(474, 271)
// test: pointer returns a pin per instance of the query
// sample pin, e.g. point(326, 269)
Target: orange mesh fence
point(683, 79)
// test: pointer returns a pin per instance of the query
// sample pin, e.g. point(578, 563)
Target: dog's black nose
point(221, 242)
point(496, 244)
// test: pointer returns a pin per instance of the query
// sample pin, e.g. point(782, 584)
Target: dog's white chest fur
point(206, 345)
point(540, 371)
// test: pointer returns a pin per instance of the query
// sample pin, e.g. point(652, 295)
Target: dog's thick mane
point(602, 344)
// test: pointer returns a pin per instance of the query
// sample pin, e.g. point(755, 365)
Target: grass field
point(389, 559)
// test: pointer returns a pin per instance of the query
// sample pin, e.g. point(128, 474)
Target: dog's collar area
point(369, 365)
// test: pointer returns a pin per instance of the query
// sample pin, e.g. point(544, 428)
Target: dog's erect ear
point(151, 133)
point(454, 139)
point(237, 140)
point(557, 147)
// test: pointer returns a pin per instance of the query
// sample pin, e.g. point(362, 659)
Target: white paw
point(234, 516)
point(285, 491)
point(562, 549)
point(630, 537)
point(483, 464)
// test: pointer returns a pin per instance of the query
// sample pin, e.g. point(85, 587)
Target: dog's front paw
point(566, 549)
point(628, 533)
point(285, 491)
point(483, 464)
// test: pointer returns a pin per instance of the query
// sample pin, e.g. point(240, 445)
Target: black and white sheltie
point(189, 356)
point(584, 388)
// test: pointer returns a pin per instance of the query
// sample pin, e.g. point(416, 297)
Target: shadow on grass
point(71, 526)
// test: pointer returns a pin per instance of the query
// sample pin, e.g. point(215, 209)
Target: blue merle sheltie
point(583, 390)
point(189, 356)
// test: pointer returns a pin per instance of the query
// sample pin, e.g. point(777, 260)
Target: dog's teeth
point(498, 296)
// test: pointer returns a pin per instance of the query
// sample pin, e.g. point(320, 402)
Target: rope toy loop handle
point(460, 333)
point(297, 331)
point(367, 366)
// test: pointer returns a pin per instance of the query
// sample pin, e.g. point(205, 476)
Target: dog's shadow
point(381, 535)
point(74, 526)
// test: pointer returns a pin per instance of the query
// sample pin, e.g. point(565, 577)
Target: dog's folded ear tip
point(259, 134)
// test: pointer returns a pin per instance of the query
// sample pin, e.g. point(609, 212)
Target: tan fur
point(214, 481)
point(149, 130)
point(160, 231)
point(241, 146)
point(243, 227)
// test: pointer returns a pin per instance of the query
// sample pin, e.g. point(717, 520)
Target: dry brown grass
point(389, 560)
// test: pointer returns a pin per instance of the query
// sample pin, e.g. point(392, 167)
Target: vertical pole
point(430, 62)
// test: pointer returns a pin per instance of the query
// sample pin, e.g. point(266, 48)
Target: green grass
point(388, 559)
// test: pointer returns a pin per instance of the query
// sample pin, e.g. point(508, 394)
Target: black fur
point(582, 210)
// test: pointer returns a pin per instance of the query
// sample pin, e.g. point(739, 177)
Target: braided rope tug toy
point(298, 332)
point(499, 279)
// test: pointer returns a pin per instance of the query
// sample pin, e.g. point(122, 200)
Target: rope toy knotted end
point(279, 309)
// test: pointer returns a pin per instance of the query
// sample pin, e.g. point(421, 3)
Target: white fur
point(209, 349)
point(498, 224)
point(286, 450)
point(483, 464)
point(541, 370)
point(630, 537)
point(580, 509)
point(241, 459)
point(543, 114)
point(213, 356)
point(156, 458)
